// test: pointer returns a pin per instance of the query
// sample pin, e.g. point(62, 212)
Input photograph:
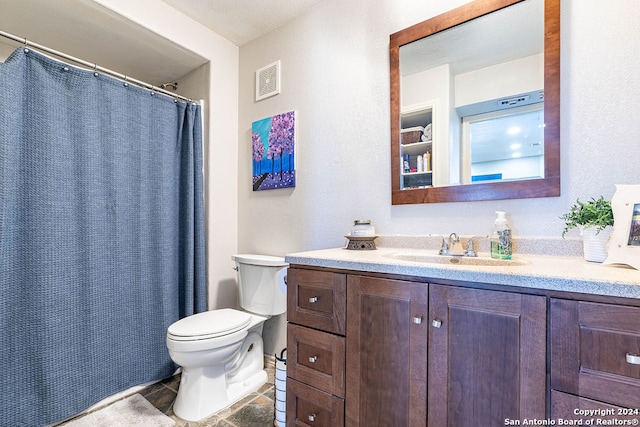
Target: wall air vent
point(268, 81)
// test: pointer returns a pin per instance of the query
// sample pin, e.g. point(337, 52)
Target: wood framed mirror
point(431, 157)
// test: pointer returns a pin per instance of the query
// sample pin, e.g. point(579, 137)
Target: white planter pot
point(594, 243)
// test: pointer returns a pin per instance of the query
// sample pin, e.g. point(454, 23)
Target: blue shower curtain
point(101, 235)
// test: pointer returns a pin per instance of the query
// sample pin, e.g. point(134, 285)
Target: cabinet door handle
point(436, 323)
point(312, 417)
point(313, 359)
point(417, 320)
point(313, 299)
point(633, 359)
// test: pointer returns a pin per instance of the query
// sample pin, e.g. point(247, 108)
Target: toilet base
point(201, 395)
point(237, 391)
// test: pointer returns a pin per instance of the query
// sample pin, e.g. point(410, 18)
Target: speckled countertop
point(552, 272)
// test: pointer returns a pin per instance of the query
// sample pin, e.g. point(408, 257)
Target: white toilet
point(221, 351)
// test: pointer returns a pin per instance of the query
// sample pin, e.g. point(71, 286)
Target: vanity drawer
point(570, 407)
point(308, 406)
point(595, 351)
point(317, 299)
point(316, 358)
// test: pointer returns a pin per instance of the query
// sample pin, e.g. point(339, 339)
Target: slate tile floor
point(255, 410)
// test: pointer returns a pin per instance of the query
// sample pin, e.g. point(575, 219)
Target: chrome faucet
point(453, 246)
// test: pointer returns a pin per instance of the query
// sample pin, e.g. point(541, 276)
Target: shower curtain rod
point(93, 66)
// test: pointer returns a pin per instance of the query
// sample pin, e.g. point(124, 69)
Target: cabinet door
point(486, 357)
point(595, 351)
point(386, 352)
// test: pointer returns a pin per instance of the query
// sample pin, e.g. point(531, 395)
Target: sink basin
point(454, 260)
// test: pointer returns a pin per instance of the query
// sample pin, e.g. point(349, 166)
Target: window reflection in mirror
point(502, 145)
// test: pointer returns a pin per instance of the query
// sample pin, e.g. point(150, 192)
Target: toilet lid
point(209, 324)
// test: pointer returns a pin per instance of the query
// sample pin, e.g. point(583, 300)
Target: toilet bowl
point(221, 351)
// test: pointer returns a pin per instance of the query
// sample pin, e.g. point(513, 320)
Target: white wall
point(335, 74)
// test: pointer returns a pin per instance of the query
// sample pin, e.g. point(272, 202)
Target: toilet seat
point(209, 324)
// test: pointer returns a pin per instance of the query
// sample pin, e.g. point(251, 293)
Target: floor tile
point(254, 410)
point(258, 413)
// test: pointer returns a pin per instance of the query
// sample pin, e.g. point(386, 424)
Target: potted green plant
point(594, 218)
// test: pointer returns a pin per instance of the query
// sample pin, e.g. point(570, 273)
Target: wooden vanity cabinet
point(487, 357)
point(594, 357)
point(484, 352)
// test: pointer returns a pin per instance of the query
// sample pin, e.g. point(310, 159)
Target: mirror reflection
point(505, 145)
point(472, 101)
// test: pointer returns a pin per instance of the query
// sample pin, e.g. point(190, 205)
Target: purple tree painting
point(273, 141)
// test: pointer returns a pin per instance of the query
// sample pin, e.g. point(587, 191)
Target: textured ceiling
point(89, 31)
point(241, 21)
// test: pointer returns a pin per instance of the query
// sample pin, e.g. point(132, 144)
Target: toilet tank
point(261, 283)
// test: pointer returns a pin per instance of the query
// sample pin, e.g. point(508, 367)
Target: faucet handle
point(470, 250)
point(444, 250)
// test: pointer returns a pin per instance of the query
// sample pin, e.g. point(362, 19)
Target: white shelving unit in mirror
point(416, 148)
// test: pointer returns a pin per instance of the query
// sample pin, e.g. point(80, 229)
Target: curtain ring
point(26, 42)
point(125, 82)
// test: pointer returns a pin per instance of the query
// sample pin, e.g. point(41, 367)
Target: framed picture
point(273, 145)
point(624, 245)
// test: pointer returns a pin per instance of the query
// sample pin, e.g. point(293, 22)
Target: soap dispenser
point(501, 238)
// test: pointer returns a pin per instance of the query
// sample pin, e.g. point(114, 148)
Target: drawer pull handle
point(312, 417)
point(417, 320)
point(633, 359)
point(313, 299)
point(436, 323)
point(313, 359)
